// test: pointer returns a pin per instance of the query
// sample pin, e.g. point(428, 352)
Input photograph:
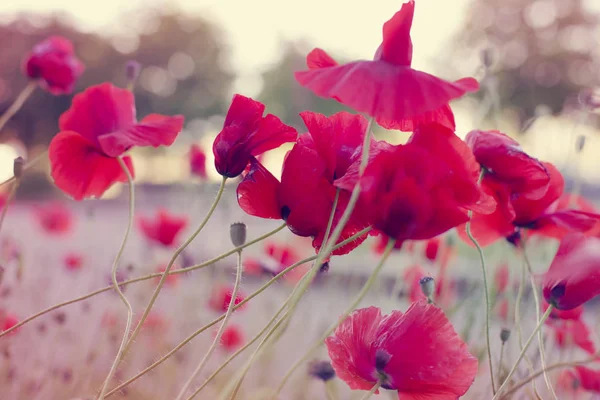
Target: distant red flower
point(155, 322)
point(232, 338)
point(387, 88)
point(432, 248)
point(574, 275)
point(3, 198)
point(568, 384)
point(198, 161)
point(171, 279)
point(54, 63)
point(7, 321)
point(501, 309)
point(305, 196)
point(246, 134)
point(163, 228)
point(83, 154)
point(221, 297)
point(568, 333)
point(501, 278)
point(417, 353)
point(54, 218)
point(73, 261)
point(422, 189)
point(588, 378)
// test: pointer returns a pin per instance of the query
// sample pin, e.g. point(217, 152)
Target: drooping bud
point(504, 335)
point(427, 287)
point(321, 370)
point(580, 143)
point(237, 232)
point(18, 167)
point(132, 71)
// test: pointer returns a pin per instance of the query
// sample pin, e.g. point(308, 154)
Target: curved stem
point(217, 339)
point(12, 193)
point(18, 103)
point(143, 278)
point(522, 354)
point(217, 320)
point(113, 368)
point(357, 300)
point(536, 298)
point(372, 391)
point(487, 299)
point(164, 275)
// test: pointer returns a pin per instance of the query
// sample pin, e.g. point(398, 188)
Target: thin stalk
point(357, 300)
point(116, 286)
point(372, 391)
point(500, 361)
point(164, 275)
point(329, 392)
point(11, 195)
point(522, 354)
point(486, 293)
point(143, 278)
point(217, 339)
point(217, 320)
point(18, 103)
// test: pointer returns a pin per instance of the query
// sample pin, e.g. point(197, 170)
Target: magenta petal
point(155, 130)
point(257, 193)
point(397, 45)
point(443, 116)
point(271, 134)
point(80, 170)
point(318, 58)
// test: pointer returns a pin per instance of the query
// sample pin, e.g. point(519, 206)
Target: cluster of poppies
point(415, 191)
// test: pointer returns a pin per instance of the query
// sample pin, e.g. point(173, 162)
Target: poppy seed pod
point(237, 232)
point(427, 286)
point(18, 167)
point(321, 370)
point(580, 143)
point(504, 335)
point(132, 70)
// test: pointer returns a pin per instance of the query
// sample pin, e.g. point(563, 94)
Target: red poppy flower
point(7, 321)
point(232, 338)
point(589, 379)
point(387, 88)
point(198, 161)
point(305, 196)
point(569, 333)
point(54, 218)
point(432, 248)
point(53, 62)
point(221, 297)
point(422, 189)
point(541, 215)
point(163, 228)
point(246, 133)
point(83, 154)
point(573, 314)
point(73, 261)
point(417, 353)
point(501, 278)
point(574, 275)
point(501, 309)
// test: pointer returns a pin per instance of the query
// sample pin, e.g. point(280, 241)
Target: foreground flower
point(387, 88)
point(305, 196)
point(198, 161)
point(422, 189)
point(246, 134)
point(99, 127)
point(54, 218)
point(417, 353)
point(574, 275)
point(163, 228)
point(54, 64)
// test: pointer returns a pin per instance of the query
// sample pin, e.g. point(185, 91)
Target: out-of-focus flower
point(73, 261)
point(221, 297)
point(171, 280)
point(574, 275)
point(54, 218)
point(501, 278)
point(232, 337)
point(197, 161)
point(321, 370)
point(588, 378)
point(7, 321)
point(305, 196)
point(417, 353)
point(83, 155)
point(568, 384)
point(387, 88)
point(432, 248)
point(246, 134)
point(163, 228)
point(54, 64)
point(422, 189)
point(568, 333)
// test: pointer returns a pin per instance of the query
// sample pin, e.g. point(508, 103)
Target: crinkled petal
point(257, 193)
point(559, 223)
point(271, 134)
point(318, 58)
point(396, 47)
point(80, 170)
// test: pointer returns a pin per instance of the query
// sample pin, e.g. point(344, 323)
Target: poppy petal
point(99, 110)
point(396, 47)
point(559, 223)
point(386, 91)
point(318, 58)
point(443, 116)
point(588, 378)
point(257, 193)
point(155, 130)
point(80, 170)
point(271, 134)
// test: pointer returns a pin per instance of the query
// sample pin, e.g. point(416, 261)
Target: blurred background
point(197, 53)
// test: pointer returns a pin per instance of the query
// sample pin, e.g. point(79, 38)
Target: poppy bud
point(18, 167)
point(237, 232)
point(321, 370)
point(487, 57)
point(427, 287)
point(504, 335)
point(580, 143)
point(132, 70)
point(324, 267)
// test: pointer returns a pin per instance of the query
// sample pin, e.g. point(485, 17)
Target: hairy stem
point(18, 103)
